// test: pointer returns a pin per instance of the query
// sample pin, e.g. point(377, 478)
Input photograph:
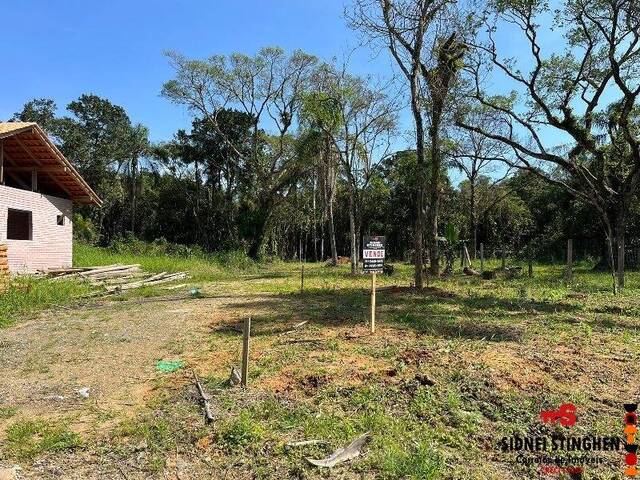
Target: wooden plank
point(50, 169)
point(37, 162)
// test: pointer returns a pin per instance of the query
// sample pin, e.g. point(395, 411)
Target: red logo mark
point(566, 414)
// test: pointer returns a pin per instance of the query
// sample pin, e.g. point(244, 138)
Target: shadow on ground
point(430, 311)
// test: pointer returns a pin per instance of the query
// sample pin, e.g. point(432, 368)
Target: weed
point(7, 412)
point(240, 432)
point(27, 439)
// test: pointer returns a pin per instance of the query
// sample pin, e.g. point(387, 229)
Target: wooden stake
point(246, 332)
point(504, 259)
point(467, 258)
point(206, 404)
point(482, 257)
point(302, 278)
point(373, 303)
point(568, 275)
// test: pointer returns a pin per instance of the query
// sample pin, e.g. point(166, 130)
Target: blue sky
point(114, 48)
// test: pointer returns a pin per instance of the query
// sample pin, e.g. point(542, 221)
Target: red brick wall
point(51, 244)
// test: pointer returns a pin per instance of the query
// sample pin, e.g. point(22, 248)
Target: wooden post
point(246, 332)
point(462, 257)
point(482, 257)
point(504, 258)
point(373, 303)
point(467, 258)
point(569, 271)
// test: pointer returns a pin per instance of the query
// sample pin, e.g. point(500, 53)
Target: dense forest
point(292, 156)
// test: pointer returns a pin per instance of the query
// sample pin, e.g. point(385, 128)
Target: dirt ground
point(527, 351)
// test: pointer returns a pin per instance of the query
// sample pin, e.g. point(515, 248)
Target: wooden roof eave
point(91, 195)
point(16, 132)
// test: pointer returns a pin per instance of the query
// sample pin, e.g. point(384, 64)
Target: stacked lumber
point(97, 275)
point(4, 261)
point(163, 277)
point(114, 278)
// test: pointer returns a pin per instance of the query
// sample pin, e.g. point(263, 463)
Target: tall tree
point(402, 26)
point(41, 111)
point(476, 156)
point(138, 146)
point(357, 118)
point(440, 78)
point(268, 87)
point(316, 144)
point(586, 95)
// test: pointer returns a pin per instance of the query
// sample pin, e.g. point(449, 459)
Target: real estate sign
point(373, 252)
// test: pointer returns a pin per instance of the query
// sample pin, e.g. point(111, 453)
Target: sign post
point(373, 253)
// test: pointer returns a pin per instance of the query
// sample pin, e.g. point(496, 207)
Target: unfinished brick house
point(38, 188)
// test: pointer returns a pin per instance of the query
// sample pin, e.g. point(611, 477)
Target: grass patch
point(7, 412)
point(26, 295)
point(452, 369)
point(241, 431)
point(27, 439)
point(201, 267)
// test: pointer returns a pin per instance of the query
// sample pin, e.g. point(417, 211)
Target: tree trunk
point(420, 183)
point(612, 263)
point(473, 224)
point(314, 229)
point(260, 226)
point(134, 197)
point(322, 241)
point(620, 237)
point(332, 236)
point(352, 235)
point(434, 194)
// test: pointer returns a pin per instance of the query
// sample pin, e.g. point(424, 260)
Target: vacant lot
point(450, 371)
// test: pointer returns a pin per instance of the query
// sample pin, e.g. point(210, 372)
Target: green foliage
point(451, 233)
point(157, 434)
point(156, 258)
point(26, 295)
point(84, 229)
point(27, 439)
point(7, 412)
point(241, 431)
point(417, 461)
point(322, 109)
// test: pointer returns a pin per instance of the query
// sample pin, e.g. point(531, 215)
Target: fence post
point(482, 257)
point(246, 332)
point(568, 276)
